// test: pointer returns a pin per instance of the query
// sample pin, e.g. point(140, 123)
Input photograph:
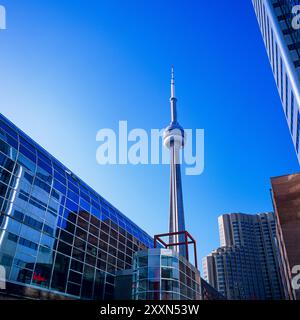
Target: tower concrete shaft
point(174, 139)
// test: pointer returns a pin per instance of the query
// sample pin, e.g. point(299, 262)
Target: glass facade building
point(57, 235)
point(247, 265)
point(282, 42)
point(163, 274)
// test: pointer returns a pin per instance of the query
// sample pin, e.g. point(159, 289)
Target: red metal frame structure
point(188, 240)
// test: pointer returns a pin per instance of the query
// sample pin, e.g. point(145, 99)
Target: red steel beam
point(188, 240)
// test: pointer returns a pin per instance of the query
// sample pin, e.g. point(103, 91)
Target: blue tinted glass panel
point(122, 224)
point(72, 180)
point(23, 161)
point(104, 215)
point(93, 196)
point(73, 187)
point(85, 205)
point(60, 178)
point(12, 142)
point(26, 144)
point(55, 195)
point(95, 204)
point(27, 153)
point(96, 213)
point(84, 188)
point(42, 185)
point(61, 208)
point(44, 158)
point(61, 223)
point(73, 196)
point(84, 195)
point(71, 206)
point(58, 168)
point(113, 217)
point(9, 130)
point(43, 165)
point(59, 187)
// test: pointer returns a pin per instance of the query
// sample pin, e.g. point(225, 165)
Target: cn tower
point(174, 140)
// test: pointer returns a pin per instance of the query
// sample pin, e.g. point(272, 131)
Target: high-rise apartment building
point(286, 200)
point(246, 266)
point(282, 40)
point(230, 271)
point(58, 237)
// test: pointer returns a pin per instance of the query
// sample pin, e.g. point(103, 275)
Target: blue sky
point(70, 68)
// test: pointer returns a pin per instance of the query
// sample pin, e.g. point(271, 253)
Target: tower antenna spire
point(173, 99)
point(174, 139)
point(172, 82)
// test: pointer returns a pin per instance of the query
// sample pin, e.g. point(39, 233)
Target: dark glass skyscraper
point(281, 39)
point(58, 237)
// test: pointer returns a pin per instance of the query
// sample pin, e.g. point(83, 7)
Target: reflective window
point(58, 231)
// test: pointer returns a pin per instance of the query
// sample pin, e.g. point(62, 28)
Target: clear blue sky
point(70, 68)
